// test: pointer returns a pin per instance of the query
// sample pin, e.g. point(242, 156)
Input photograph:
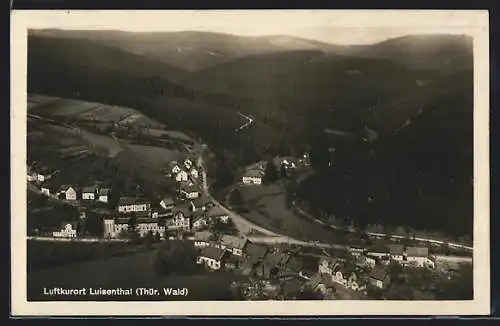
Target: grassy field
point(109, 273)
point(154, 157)
point(267, 208)
point(93, 111)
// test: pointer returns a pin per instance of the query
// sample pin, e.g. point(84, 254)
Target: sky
point(338, 26)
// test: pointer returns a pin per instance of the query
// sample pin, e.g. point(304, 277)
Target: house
point(68, 230)
point(189, 191)
point(378, 251)
point(174, 167)
point(212, 257)
point(194, 173)
point(201, 203)
point(67, 192)
point(145, 226)
point(327, 265)
point(114, 227)
point(357, 250)
point(380, 277)
point(396, 252)
point(234, 244)
point(181, 176)
point(181, 218)
point(199, 222)
point(371, 260)
point(419, 256)
point(45, 190)
point(202, 239)
point(131, 205)
point(88, 193)
point(188, 163)
point(253, 176)
point(104, 195)
point(167, 204)
point(346, 275)
point(218, 213)
point(254, 252)
point(32, 175)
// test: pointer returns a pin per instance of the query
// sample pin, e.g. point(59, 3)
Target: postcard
point(250, 162)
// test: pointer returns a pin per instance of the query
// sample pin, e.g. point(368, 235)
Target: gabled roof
point(212, 252)
point(182, 209)
point(203, 236)
point(396, 249)
point(132, 201)
point(88, 189)
point(216, 211)
point(201, 201)
point(255, 251)
point(65, 187)
point(417, 251)
point(104, 191)
point(233, 242)
point(273, 259)
point(254, 173)
point(74, 224)
point(168, 201)
point(187, 187)
point(379, 273)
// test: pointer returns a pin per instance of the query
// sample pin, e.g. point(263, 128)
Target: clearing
point(266, 204)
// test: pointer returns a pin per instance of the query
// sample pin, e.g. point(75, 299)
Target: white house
point(234, 244)
point(379, 277)
point(89, 193)
point(371, 260)
point(68, 192)
point(68, 230)
point(200, 204)
point(212, 257)
point(45, 190)
point(188, 164)
point(104, 195)
point(357, 250)
point(181, 219)
point(419, 256)
point(167, 203)
point(131, 205)
point(202, 239)
point(181, 176)
point(199, 222)
point(32, 176)
point(253, 176)
point(396, 252)
point(194, 173)
point(114, 227)
point(190, 193)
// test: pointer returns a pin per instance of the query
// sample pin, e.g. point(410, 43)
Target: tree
point(176, 257)
point(271, 172)
point(236, 199)
point(283, 171)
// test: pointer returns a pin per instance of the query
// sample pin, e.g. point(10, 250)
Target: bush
point(176, 257)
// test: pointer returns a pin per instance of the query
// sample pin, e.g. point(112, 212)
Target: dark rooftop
point(417, 251)
point(255, 251)
point(379, 273)
point(212, 252)
point(396, 249)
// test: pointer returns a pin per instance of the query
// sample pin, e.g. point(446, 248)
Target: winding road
point(247, 123)
point(270, 237)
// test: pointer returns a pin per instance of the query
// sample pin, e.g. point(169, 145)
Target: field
point(97, 112)
point(267, 208)
point(108, 273)
point(154, 157)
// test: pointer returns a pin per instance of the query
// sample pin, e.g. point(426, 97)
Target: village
point(272, 270)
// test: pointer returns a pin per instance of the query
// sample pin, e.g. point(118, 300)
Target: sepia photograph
point(208, 162)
